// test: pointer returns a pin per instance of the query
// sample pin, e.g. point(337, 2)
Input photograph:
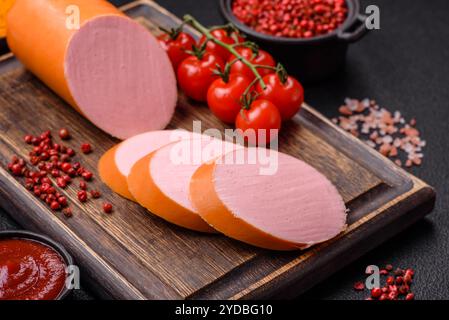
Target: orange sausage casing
point(107, 66)
point(38, 34)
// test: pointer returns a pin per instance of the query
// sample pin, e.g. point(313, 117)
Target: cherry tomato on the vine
point(223, 36)
point(224, 98)
point(176, 46)
point(262, 58)
point(195, 75)
point(287, 97)
point(260, 123)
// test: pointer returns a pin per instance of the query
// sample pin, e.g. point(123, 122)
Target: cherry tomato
point(287, 97)
point(223, 97)
point(196, 75)
point(263, 58)
point(176, 47)
point(223, 36)
point(258, 121)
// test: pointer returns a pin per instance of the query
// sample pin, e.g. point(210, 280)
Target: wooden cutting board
point(132, 254)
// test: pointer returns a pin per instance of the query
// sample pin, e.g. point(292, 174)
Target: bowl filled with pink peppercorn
point(310, 36)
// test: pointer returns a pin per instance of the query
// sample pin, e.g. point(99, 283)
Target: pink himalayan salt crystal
point(386, 131)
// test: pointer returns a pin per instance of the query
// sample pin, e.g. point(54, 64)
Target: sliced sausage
point(115, 165)
point(160, 181)
point(295, 208)
point(111, 69)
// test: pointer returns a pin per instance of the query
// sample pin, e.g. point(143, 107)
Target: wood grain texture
point(135, 255)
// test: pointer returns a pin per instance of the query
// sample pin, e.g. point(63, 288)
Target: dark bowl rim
point(353, 6)
point(28, 235)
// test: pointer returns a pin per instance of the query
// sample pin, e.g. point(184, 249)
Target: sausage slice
point(294, 208)
point(160, 181)
point(114, 166)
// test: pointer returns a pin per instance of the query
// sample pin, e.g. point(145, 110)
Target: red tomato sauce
point(30, 270)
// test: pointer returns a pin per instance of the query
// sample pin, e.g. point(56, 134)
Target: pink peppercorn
point(86, 148)
point(107, 207)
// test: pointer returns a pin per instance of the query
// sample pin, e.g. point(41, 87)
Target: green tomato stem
point(247, 98)
point(249, 87)
point(206, 32)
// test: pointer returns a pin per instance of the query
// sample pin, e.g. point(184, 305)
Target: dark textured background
point(404, 66)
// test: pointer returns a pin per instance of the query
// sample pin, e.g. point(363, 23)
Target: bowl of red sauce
point(310, 37)
point(32, 267)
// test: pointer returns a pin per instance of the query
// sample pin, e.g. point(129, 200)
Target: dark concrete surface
point(404, 66)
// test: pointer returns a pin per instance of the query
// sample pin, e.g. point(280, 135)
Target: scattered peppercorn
point(66, 167)
point(16, 169)
point(76, 165)
point(410, 272)
point(61, 182)
point(65, 158)
point(28, 139)
point(384, 296)
point(83, 185)
point(107, 207)
point(407, 278)
point(403, 290)
point(37, 191)
point(64, 134)
point(410, 296)
point(51, 190)
point(55, 173)
point(399, 272)
point(396, 286)
point(44, 187)
point(63, 201)
point(67, 212)
point(35, 160)
point(95, 194)
point(55, 205)
point(82, 196)
point(376, 293)
point(46, 180)
point(70, 152)
point(359, 286)
point(52, 160)
point(71, 172)
point(49, 199)
point(393, 295)
point(87, 175)
point(79, 171)
point(45, 135)
point(86, 148)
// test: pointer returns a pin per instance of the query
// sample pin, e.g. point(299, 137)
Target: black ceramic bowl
point(27, 235)
point(312, 59)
